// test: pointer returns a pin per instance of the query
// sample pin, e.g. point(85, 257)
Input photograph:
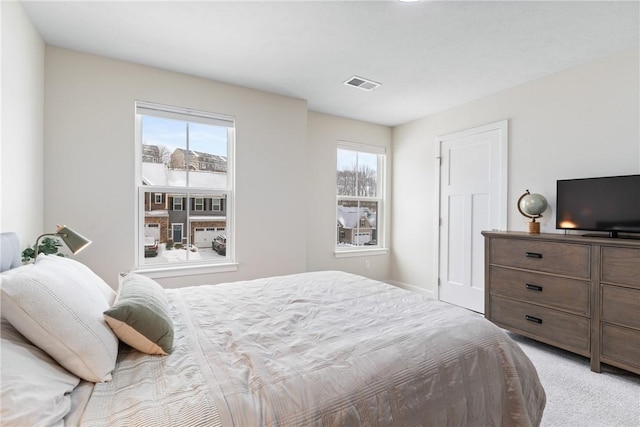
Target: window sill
point(360, 252)
point(186, 270)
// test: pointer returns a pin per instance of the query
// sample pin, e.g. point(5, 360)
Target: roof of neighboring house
point(149, 147)
point(159, 174)
point(348, 217)
point(206, 156)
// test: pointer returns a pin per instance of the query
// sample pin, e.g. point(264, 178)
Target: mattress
point(321, 349)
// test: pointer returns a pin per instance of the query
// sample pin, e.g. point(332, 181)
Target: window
point(198, 204)
point(186, 168)
point(177, 203)
point(216, 205)
point(359, 196)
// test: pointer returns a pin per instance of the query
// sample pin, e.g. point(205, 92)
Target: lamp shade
point(74, 241)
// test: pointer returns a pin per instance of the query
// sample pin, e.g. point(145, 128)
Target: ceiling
point(428, 55)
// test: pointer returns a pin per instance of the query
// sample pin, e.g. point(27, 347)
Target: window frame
point(177, 203)
point(216, 204)
point(173, 269)
point(198, 204)
point(381, 199)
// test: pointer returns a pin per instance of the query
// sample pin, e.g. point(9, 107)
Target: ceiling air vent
point(362, 83)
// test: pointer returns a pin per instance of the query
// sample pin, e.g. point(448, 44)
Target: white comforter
point(325, 348)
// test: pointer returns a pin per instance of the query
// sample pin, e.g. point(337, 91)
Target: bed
point(313, 349)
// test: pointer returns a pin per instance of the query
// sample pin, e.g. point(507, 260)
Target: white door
point(473, 198)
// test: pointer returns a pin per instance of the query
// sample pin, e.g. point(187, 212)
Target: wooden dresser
point(578, 293)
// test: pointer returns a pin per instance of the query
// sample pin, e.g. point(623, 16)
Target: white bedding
point(326, 348)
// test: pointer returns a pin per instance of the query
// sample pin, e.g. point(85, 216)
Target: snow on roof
point(198, 179)
point(207, 218)
point(157, 213)
point(159, 174)
point(154, 174)
point(348, 216)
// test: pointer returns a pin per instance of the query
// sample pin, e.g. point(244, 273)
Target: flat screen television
point(610, 204)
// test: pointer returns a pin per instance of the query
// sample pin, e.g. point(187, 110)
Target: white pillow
point(84, 271)
point(35, 389)
point(59, 307)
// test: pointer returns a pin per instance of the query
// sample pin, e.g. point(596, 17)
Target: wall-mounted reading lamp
point(74, 241)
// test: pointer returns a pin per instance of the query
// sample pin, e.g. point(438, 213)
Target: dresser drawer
point(620, 345)
point(621, 305)
point(564, 330)
point(621, 266)
point(566, 294)
point(552, 257)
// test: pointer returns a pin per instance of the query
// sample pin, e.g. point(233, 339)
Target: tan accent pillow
point(140, 317)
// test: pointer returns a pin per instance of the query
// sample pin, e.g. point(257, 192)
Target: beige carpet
point(577, 397)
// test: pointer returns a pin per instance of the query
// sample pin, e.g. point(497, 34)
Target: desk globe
point(532, 206)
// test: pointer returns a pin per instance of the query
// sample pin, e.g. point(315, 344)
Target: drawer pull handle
point(533, 319)
point(533, 255)
point(533, 287)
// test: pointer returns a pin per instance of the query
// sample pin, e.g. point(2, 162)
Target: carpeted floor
point(577, 397)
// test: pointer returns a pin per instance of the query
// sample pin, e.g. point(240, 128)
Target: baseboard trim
point(412, 288)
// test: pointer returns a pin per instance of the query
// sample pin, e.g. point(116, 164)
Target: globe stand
point(534, 227)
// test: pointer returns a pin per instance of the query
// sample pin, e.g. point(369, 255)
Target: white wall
point(324, 133)
point(582, 122)
point(89, 145)
point(21, 149)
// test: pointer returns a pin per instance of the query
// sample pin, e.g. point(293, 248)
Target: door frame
point(503, 127)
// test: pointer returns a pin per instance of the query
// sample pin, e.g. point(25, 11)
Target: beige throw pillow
point(140, 317)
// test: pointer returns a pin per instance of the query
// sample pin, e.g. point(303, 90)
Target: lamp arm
point(35, 247)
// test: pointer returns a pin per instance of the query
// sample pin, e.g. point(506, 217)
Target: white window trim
point(364, 148)
point(350, 253)
point(191, 267)
point(381, 248)
point(156, 272)
point(184, 114)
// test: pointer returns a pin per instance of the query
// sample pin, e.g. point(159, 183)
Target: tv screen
point(609, 204)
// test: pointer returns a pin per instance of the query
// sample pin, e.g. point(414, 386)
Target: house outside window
point(360, 196)
point(185, 164)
